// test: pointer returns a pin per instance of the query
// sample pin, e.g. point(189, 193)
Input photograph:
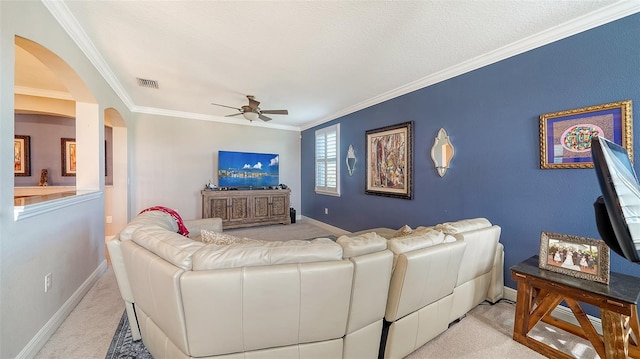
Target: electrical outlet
point(47, 282)
point(326, 211)
point(109, 219)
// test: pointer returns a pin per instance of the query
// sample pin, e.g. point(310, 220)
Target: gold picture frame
point(389, 161)
point(22, 156)
point(68, 156)
point(580, 257)
point(565, 136)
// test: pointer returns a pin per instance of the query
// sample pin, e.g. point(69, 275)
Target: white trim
point(324, 225)
point(36, 209)
point(44, 334)
point(560, 312)
point(30, 91)
point(605, 15)
point(202, 117)
point(65, 18)
point(586, 22)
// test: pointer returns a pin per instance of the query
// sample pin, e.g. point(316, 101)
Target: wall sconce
point(442, 152)
point(351, 160)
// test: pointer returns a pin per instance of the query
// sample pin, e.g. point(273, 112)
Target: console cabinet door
point(219, 208)
point(239, 209)
point(261, 206)
point(280, 205)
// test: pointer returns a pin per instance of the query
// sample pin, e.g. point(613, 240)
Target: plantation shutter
point(327, 164)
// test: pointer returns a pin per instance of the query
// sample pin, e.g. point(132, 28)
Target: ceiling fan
point(252, 111)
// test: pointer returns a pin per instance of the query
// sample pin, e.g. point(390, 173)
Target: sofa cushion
point(151, 218)
point(463, 225)
point(170, 246)
point(211, 237)
point(416, 241)
point(261, 253)
point(403, 231)
point(419, 231)
point(362, 244)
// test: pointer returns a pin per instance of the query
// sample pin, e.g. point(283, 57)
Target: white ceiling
point(318, 59)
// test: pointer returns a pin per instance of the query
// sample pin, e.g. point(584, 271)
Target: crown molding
point(63, 15)
point(586, 22)
point(202, 117)
point(30, 91)
point(610, 13)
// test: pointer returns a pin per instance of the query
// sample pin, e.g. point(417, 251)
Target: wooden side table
point(540, 291)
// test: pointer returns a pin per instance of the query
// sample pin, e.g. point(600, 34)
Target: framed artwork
point(579, 257)
point(565, 136)
point(389, 161)
point(68, 150)
point(22, 156)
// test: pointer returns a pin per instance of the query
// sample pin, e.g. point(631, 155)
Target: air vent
point(147, 83)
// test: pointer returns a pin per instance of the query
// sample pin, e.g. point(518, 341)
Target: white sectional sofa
point(253, 299)
point(302, 299)
point(440, 273)
point(151, 218)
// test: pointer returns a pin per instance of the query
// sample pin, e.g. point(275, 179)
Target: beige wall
point(168, 161)
point(174, 158)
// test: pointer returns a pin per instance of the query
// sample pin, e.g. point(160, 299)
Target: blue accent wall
point(492, 116)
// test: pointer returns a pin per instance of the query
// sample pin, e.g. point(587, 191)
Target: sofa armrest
point(496, 286)
point(194, 226)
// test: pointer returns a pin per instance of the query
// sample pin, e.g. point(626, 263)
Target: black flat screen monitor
point(618, 209)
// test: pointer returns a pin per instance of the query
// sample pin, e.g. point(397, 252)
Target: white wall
point(172, 159)
point(66, 241)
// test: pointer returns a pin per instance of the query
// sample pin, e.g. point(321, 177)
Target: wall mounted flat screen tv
point(247, 170)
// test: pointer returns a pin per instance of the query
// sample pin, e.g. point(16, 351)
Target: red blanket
point(181, 227)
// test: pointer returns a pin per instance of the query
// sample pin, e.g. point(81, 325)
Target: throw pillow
point(403, 231)
point(221, 239)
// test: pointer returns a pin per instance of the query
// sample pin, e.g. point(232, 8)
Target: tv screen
point(618, 209)
point(247, 170)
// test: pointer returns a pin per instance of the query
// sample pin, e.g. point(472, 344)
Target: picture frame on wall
point(580, 257)
point(68, 156)
point(565, 136)
point(389, 161)
point(22, 156)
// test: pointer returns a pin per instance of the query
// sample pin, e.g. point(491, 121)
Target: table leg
point(615, 333)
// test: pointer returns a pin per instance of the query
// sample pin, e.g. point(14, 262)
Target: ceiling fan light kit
point(251, 116)
point(252, 112)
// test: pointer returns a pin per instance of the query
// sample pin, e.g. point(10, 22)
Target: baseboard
point(561, 312)
point(324, 225)
point(44, 334)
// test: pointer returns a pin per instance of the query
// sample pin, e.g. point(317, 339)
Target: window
point(327, 164)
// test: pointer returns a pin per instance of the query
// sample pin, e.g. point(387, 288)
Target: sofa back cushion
point(170, 246)
point(151, 218)
point(264, 253)
point(417, 240)
point(463, 225)
point(360, 245)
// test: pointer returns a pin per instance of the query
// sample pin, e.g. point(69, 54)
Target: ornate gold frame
point(614, 119)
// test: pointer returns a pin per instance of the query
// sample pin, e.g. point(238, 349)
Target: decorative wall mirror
point(442, 152)
point(351, 160)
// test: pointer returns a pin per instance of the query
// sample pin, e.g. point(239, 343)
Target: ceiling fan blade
point(264, 118)
point(275, 112)
point(235, 114)
point(252, 102)
point(217, 104)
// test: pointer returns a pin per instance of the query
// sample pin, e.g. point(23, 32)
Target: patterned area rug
point(123, 346)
